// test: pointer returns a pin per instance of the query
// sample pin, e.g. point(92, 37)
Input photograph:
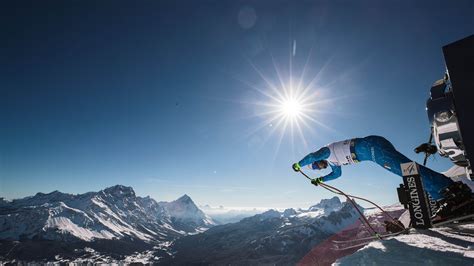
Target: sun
point(291, 108)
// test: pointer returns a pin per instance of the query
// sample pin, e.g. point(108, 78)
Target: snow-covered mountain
point(272, 237)
point(186, 216)
point(324, 207)
point(114, 213)
point(328, 205)
point(115, 217)
point(222, 215)
point(76, 228)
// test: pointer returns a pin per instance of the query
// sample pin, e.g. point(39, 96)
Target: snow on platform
point(449, 245)
point(453, 245)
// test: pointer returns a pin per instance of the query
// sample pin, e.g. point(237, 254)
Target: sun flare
point(291, 108)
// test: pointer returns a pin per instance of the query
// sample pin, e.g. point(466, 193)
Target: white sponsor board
point(409, 169)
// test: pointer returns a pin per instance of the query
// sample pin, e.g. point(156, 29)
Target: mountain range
point(114, 223)
point(272, 237)
point(113, 215)
point(116, 226)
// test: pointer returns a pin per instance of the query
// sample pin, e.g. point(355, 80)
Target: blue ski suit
point(376, 149)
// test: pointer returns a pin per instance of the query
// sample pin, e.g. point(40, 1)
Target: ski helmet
point(315, 165)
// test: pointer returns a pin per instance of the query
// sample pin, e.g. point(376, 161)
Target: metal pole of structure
point(416, 196)
point(427, 154)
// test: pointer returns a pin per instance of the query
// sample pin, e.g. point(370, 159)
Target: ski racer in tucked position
point(452, 195)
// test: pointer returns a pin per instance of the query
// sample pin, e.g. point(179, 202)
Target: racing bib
point(341, 153)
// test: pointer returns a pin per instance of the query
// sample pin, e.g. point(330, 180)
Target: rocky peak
point(50, 194)
point(42, 198)
point(328, 204)
point(182, 205)
point(185, 199)
point(119, 191)
point(270, 214)
point(334, 201)
point(289, 212)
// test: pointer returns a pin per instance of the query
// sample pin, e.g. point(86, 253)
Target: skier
point(381, 151)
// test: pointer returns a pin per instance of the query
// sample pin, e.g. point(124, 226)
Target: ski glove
point(296, 167)
point(317, 181)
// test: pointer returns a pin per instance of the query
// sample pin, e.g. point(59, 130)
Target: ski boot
point(458, 201)
point(394, 226)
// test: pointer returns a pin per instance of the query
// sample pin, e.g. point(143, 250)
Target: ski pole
point(357, 209)
point(350, 200)
point(338, 191)
point(366, 200)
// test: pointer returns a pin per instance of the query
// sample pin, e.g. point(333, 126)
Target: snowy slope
point(325, 252)
point(452, 245)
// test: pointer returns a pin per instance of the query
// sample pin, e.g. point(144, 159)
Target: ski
point(370, 237)
point(353, 246)
point(366, 240)
point(453, 220)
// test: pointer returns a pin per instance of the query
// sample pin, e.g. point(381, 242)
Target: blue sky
point(156, 95)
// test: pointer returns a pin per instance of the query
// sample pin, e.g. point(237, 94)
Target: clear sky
point(170, 97)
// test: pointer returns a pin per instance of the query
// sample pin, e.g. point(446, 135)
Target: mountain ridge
point(272, 237)
point(111, 213)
